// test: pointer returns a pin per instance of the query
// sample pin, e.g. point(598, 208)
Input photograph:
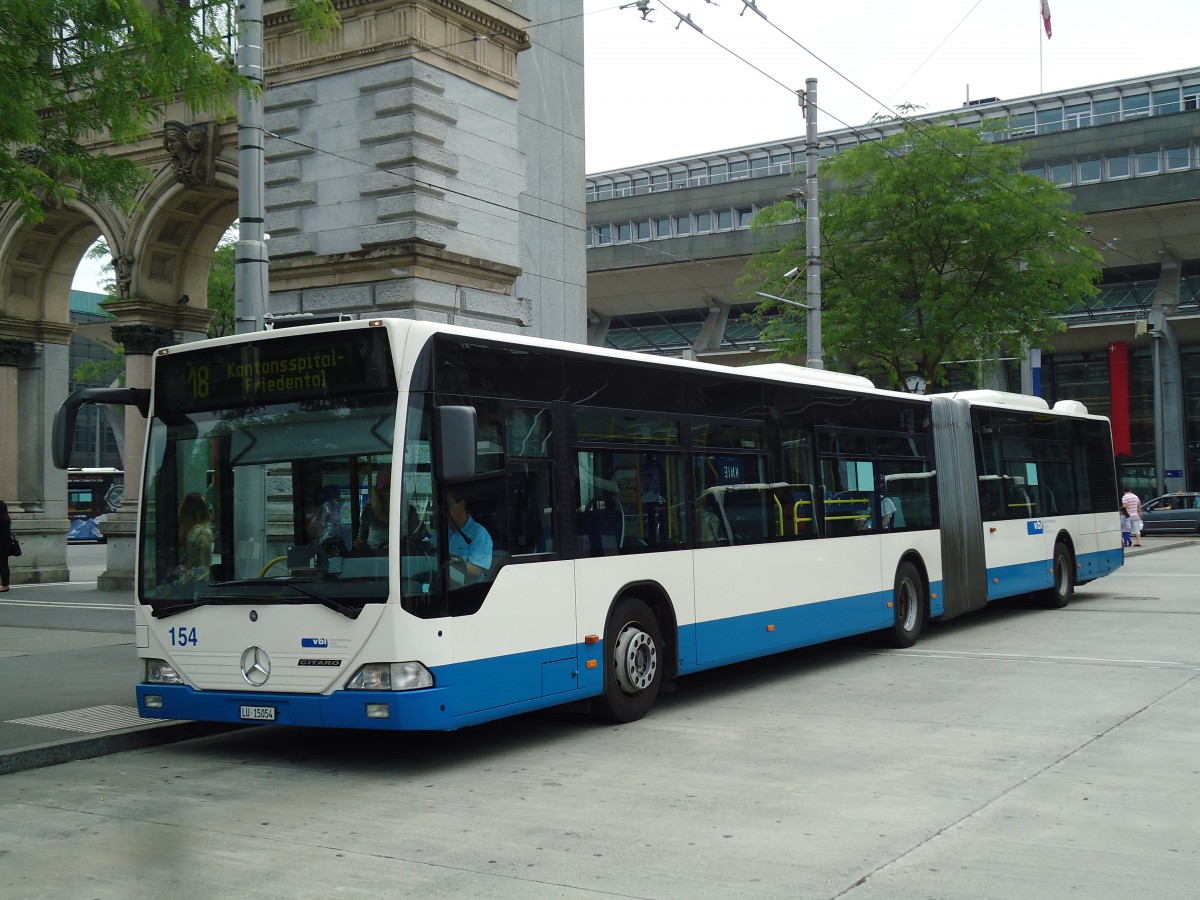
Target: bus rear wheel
point(1058, 594)
point(908, 607)
point(633, 653)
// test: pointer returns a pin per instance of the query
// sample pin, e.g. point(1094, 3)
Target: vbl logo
point(1035, 527)
point(314, 642)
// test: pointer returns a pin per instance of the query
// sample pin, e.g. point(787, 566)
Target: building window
point(1118, 166)
point(739, 169)
point(1178, 158)
point(1166, 102)
point(1105, 111)
point(1060, 173)
point(604, 191)
point(623, 233)
point(703, 222)
point(641, 230)
point(1136, 106)
point(718, 173)
point(1089, 170)
point(603, 235)
point(587, 238)
point(659, 182)
point(683, 224)
point(698, 175)
point(1191, 97)
point(758, 167)
point(679, 178)
point(1079, 115)
point(662, 228)
point(1148, 162)
point(724, 219)
point(1038, 171)
point(641, 185)
point(1049, 120)
point(589, 193)
point(744, 216)
point(1021, 125)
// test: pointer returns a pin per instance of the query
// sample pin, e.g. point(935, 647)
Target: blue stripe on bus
point(738, 638)
point(1023, 578)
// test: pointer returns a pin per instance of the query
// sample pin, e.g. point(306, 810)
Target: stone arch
point(39, 260)
point(172, 240)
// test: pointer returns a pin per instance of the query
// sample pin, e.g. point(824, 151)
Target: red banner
point(1118, 394)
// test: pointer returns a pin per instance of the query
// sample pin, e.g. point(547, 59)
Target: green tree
point(935, 247)
point(75, 67)
point(220, 287)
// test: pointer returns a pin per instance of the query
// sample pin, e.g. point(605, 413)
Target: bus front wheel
point(633, 653)
point(908, 607)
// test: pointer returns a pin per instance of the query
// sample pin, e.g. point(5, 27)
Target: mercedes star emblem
point(256, 666)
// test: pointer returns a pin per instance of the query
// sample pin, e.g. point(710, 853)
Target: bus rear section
point(1047, 494)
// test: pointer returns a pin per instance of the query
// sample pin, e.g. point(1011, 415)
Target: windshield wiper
point(167, 612)
point(350, 612)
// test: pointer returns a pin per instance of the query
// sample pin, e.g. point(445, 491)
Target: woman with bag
point(6, 545)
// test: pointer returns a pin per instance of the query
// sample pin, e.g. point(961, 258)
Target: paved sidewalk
point(69, 694)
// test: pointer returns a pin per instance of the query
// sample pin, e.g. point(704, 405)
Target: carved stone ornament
point(141, 339)
point(123, 267)
point(190, 149)
point(31, 156)
point(14, 352)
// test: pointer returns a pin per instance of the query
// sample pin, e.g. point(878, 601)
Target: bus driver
point(468, 540)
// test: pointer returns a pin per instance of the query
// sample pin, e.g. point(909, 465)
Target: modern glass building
point(668, 239)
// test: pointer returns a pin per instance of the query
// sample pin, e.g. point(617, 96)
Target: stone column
point(12, 352)
point(33, 381)
point(140, 341)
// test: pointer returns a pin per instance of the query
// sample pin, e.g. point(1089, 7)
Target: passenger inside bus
point(195, 538)
point(373, 525)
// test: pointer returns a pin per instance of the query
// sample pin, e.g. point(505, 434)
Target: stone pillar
point(392, 184)
point(32, 384)
point(12, 352)
point(140, 342)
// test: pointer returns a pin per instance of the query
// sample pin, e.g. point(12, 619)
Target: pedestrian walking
point(6, 542)
point(1133, 508)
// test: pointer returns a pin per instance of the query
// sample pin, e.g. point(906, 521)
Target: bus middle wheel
point(633, 649)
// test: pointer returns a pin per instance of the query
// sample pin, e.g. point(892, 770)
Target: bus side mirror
point(457, 433)
point(63, 435)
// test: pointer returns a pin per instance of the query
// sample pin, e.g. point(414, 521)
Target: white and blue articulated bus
point(402, 525)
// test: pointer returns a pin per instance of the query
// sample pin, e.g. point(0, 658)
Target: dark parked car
point(1172, 513)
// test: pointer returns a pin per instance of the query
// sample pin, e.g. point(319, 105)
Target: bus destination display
point(292, 368)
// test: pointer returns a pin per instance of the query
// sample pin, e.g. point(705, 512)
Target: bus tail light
point(405, 676)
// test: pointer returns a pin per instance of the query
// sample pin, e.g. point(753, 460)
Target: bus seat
point(600, 531)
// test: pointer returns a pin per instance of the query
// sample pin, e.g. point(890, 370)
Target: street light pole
point(812, 235)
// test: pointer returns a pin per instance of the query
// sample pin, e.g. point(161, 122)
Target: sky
point(655, 91)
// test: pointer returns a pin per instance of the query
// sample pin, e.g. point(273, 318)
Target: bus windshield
point(268, 504)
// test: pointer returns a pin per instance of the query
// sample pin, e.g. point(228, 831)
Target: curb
point(1158, 548)
point(53, 753)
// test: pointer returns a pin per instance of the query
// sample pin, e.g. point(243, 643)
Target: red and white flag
point(1046, 17)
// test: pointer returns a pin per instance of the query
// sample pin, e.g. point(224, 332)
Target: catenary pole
point(812, 236)
point(250, 269)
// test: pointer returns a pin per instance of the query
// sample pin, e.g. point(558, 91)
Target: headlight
point(405, 676)
point(158, 671)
